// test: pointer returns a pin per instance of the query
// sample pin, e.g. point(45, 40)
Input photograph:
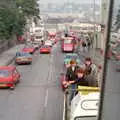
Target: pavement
point(38, 96)
point(8, 56)
point(95, 54)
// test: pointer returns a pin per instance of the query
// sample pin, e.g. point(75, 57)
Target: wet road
point(38, 96)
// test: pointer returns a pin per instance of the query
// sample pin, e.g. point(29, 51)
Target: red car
point(9, 76)
point(30, 50)
point(45, 49)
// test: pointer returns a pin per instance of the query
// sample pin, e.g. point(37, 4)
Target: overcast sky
point(62, 1)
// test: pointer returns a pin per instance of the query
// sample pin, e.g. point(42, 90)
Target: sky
point(59, 1)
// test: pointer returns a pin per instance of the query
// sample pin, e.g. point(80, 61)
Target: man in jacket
point(80, 80)
point(71, 71)
point(71, 77)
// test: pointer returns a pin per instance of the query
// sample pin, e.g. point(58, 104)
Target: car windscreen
point(86, 118)
point(4, 73)
point(22, 54)
point(67, 41)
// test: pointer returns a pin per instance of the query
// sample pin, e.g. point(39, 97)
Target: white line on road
point(64, 108)
point(46, 98)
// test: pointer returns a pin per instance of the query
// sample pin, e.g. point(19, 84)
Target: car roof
point(71, 54)
point(7, 67)
point(21, 52)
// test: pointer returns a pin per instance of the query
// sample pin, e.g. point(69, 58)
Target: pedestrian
point(71, 70)
point(88, 44)
point(80, 80)
point(84, 45)
point(90, 71)
point(71, 77)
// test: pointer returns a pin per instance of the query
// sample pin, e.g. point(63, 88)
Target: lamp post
point(94, 32)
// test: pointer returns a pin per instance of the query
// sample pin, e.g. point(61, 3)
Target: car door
point(16, 75)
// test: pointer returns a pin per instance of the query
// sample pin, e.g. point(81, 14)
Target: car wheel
point(12, 87)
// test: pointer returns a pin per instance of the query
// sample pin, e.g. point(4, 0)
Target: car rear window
point(45, 46)
point(23, 54)
point(67, 41)
point(4, 73)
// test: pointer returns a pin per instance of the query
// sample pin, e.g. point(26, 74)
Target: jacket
point(82, 81)
point(71, 75)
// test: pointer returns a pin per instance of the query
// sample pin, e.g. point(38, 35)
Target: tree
point(29, 7)
point(13, 14)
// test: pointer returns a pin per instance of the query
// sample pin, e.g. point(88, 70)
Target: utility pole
point(94, 33)
point(110, 92)
point(104, 12)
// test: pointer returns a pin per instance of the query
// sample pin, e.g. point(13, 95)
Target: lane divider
point(64, 107)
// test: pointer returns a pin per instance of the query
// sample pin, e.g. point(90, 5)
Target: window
point(22, 54)
point(86, 118)
point(38, 37)
point(67, 41)
point(4, 73)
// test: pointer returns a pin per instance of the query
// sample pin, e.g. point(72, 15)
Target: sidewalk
point(96, 56)
point(8, 56)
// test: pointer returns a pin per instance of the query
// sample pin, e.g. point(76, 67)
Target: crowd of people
point(85, 43)
point(80, 75)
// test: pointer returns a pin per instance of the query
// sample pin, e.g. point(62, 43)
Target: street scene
point(59, 61)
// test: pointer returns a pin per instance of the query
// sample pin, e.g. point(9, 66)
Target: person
point(88, 63)
point(71, 71)
point(90, 71)
point(80, 80)
point(88, 43)
point(84, 45)
point(42, 42)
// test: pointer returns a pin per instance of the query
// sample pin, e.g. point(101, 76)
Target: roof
point(7, 67)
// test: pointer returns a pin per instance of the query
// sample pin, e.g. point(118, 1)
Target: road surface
point(38, 96)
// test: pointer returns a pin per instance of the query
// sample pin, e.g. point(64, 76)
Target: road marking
point(46, 98)
point(64, 108)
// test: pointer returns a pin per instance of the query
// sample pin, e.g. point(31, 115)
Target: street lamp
point(94, 32)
